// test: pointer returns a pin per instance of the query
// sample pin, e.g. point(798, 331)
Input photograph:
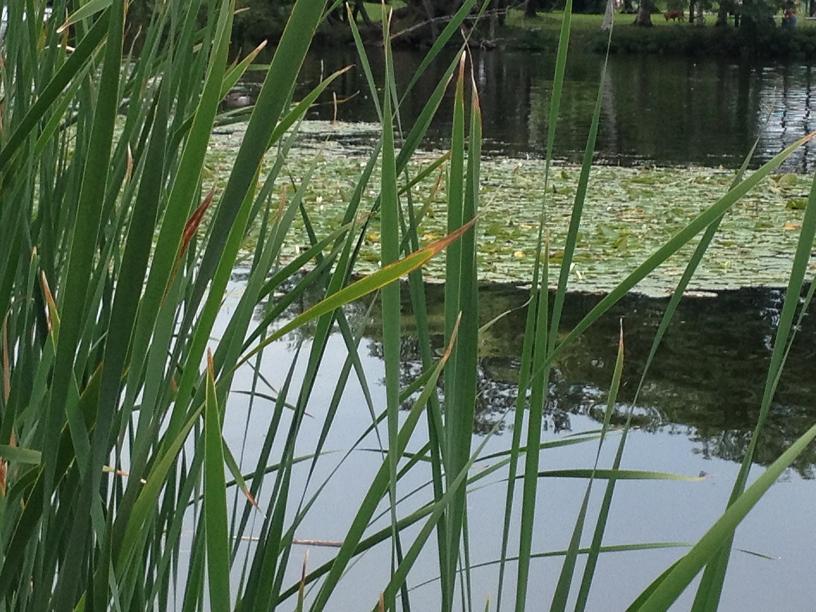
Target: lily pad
point(629, 213)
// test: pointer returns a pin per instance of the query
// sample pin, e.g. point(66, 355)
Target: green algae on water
point(629, 213)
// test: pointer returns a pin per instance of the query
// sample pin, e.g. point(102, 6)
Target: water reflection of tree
point(672, 110)
point(706, 382)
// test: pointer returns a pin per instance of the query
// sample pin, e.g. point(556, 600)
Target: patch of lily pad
point(629, 213)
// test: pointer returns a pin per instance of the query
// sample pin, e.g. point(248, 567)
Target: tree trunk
point(722, 16)
point(501, 7)
point(748, 16)
point(609, 16)
point(691, 11)
point(530, 8)
point(644, 15)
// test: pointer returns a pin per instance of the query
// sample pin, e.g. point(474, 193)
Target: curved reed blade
point(562, 590)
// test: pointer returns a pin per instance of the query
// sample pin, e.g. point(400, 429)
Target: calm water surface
point(700, 402)
point(659, 110)
point(695, 417)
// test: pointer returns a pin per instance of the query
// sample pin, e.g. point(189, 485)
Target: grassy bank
point(541, 33)
point(664, 38)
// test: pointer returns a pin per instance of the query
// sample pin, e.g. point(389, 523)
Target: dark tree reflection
point(663, 110)
point(706, 382)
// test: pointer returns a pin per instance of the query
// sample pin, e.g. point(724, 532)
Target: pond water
point(656, 110)
point(695, 417)
point(700, 402)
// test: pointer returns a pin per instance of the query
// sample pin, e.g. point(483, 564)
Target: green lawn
point(580, 22)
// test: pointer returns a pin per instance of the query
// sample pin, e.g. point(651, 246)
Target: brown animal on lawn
point(674, 16)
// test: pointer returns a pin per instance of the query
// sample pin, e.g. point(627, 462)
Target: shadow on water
point(706, 382)
point(666, 111)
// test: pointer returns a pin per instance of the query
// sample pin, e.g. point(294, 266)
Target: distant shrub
point(772, 43)
point(261, 20)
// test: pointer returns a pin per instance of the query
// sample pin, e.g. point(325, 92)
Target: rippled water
point(659, 110)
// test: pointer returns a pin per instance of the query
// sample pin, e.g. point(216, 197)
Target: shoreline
point(662, 39)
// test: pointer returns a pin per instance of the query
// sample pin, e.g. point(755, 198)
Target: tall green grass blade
point(215, 501)
point(536, 347)
point(538, 397)
point(390, 294)
point(461, 407)
point(518, 420)
point(364, 63)
point(436, 510)
point(571, 240)
point(434, 414)
point(453, 297)
point(378, 488)
point(83, 246)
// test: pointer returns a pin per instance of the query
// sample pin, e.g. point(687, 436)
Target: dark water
point(665, 111)
point(706, 381)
